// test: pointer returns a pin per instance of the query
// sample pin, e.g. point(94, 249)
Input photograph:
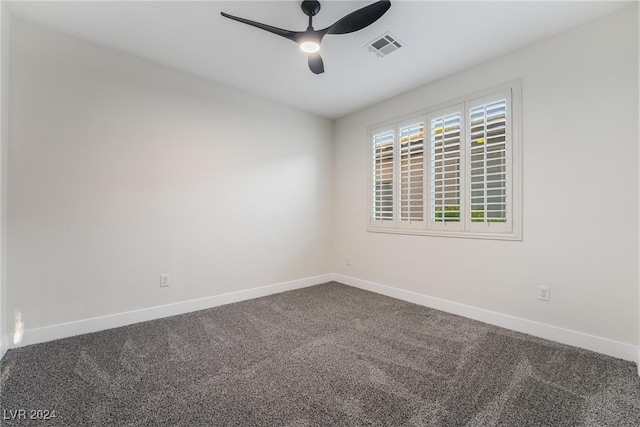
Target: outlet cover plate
point(165, 280)
point(544, 293)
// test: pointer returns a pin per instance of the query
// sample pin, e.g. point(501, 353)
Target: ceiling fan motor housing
point(310, 7)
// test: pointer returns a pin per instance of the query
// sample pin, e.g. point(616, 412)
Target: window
point(462, 178)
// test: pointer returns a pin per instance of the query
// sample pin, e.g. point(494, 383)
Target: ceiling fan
point(310, 39)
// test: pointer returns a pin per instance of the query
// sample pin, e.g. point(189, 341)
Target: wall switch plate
point(544, 293)
point(348, 260)
point(165, 280)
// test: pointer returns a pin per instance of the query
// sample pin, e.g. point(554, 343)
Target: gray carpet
point(325, 355)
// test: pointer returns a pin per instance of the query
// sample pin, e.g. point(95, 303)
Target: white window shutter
point(411, 174)
point(383, 178)
point(446, 160)
point(489, 165)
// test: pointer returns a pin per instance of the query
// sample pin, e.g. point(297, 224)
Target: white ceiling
point(441, 38)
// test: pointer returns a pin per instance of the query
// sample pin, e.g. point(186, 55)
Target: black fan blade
point(315, 63)
point(291, 35)
point(359, 19)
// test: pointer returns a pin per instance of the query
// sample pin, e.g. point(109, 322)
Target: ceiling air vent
point(384, 45)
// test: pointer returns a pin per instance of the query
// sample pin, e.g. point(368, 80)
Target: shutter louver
point(445, 168)
point(383, 176)
point(488, 162)
point(412, 172)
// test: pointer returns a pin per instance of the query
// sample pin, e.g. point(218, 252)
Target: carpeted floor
point(325, 355)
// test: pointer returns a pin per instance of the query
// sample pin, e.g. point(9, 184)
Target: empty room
point(335, 213)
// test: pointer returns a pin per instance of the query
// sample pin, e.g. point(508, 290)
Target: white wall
point(4, 137)
point(580, 195)
point(121, 170)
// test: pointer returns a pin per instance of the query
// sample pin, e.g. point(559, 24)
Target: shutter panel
point(382, 198)
point(488, 164)
point(411, 210)
point(445, 167)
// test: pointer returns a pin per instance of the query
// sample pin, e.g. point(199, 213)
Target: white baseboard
point(65, 330)
point(553, 333)
point(542, 330)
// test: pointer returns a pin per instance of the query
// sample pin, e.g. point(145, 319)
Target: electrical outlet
point(544, 293)
point(165, 280)
point(348, 260)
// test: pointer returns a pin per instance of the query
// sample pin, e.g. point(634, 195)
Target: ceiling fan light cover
point(310, 46)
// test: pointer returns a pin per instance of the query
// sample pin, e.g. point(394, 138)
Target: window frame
point(512, 229)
